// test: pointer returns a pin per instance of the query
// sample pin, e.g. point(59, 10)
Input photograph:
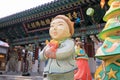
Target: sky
point(9, 7)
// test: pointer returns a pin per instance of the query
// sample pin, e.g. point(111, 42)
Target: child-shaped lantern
point(59, 52)
point(83, 71)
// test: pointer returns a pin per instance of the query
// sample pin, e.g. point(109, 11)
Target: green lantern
point(90, 11)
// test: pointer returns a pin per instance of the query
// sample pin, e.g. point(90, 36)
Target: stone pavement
point(19, 77)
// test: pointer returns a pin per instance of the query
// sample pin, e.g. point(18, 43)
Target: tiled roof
point(42, 10)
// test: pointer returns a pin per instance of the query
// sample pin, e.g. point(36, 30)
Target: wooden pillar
point(19, 54)
point(36, 52)
point(19, 60)
point(89, 48)
point(35, 65)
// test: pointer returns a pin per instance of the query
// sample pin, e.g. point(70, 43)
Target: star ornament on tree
point(111, 74)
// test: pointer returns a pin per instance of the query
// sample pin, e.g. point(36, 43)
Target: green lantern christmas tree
point(109, 52)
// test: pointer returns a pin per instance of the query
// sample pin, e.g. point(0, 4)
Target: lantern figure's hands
point(49, 53)
point(51, 50)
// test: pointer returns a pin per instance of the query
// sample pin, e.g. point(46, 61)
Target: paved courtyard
point(18, 77)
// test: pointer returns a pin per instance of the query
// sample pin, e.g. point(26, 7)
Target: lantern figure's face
point(59, 29)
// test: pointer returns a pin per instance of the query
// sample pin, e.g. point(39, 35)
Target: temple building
point(32, 26)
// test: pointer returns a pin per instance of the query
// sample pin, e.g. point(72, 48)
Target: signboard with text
point(43, 23)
